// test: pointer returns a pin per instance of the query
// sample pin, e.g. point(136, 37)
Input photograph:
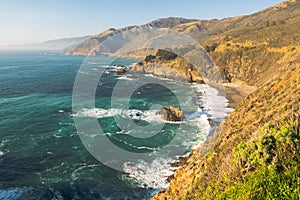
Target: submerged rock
point(172, 114)
point(213, 122)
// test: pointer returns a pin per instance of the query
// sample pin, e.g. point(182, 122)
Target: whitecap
point(124, 78)
point(152, 175)
point(92, 63)
point(214, 105)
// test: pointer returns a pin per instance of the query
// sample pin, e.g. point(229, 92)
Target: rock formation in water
point(172, 114)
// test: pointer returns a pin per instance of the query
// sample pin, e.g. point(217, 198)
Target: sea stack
point(172, 114)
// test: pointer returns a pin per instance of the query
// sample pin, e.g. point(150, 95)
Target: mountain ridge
point(87, 47)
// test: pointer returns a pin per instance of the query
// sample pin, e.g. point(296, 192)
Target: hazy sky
point(28, 21)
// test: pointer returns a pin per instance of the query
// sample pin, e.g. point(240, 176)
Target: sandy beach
point(236, 92)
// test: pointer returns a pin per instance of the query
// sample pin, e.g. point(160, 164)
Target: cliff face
point(176, 68)
point(249, 48)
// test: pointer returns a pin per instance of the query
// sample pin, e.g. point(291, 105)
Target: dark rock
point(172, 114)
point(212, 122)
point(120, 72)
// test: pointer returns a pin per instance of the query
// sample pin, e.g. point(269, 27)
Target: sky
point(31, 21)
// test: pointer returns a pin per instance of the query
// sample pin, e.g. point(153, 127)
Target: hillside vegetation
point(250, 47)
point(255, 152)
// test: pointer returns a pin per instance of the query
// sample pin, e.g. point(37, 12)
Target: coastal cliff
point(245, 48)
point(254, 154)
point(168, 65)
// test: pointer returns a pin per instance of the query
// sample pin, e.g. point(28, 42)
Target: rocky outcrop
point(174, 67)
point(171, 114)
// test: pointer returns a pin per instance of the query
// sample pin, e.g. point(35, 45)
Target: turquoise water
point(41, 154)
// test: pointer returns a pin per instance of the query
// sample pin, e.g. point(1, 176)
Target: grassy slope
point(256, 155)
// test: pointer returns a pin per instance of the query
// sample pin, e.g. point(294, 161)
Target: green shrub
point(270, 166)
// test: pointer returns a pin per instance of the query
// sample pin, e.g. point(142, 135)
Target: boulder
point(213, 122)
point(172, 114)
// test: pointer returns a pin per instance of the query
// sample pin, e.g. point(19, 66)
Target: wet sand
point(236, 92)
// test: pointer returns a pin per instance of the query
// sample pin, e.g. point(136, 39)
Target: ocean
point(42, 155)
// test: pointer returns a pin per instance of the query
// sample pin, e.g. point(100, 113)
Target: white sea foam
point(215, 105)
point(154, 174)
point(148, 115)
point(124, 78)
point(211, 105)
point(92, 63)
point(158, 77)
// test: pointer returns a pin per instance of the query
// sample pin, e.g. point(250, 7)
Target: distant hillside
point(88, 46)
point(57, 45)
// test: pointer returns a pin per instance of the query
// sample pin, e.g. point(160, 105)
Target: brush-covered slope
point(256, 155)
